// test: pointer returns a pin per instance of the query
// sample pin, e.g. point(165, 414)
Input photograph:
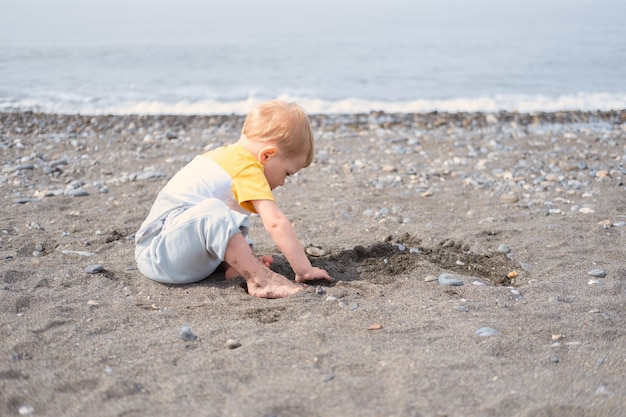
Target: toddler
point(200, 219)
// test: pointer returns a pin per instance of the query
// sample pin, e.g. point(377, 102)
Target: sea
point(329, 56)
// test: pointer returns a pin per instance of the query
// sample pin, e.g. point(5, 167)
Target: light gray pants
point(191, 245)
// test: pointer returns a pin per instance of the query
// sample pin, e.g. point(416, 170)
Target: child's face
point(278, 168)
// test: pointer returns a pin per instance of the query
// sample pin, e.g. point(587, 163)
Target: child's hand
point(316, 273)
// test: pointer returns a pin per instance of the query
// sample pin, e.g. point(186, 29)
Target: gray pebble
point(449, 280)
point(25, 200)
point(504, 248)
point(487, 331)
point(354, 306)
point(598, 273)
point(320, 290)
point(94, 269)
point(554, 359)
point(186, 334)
point(78, 192)
point(462, 309)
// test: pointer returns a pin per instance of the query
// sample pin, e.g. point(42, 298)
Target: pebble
point(603, 390)
point(487, 331)
point(598, 273)
point(26, 410)
point(509, 198)
point(430, 278)
point(94, 269)
point(460, 308)
point(186, 334)
point(596, 281)
point(315, 251)
point(449, 280)
point(77, 252)
point(503, 248)
point(232, 344)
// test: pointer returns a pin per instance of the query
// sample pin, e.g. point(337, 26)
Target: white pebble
point(232, 344)
point(487, 331)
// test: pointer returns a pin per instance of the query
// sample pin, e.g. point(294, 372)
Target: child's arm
point(284, 236)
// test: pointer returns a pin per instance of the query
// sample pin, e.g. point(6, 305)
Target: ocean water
point(330, 56)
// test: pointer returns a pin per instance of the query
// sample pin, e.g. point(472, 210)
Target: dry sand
point(392, 201)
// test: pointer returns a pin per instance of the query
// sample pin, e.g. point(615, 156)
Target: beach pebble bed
point(414, 211)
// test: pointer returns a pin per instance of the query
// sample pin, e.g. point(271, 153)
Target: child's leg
point(262, 281)
point(232, 273)
point(191, 245)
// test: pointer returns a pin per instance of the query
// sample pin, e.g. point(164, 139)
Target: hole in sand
point(383, 262)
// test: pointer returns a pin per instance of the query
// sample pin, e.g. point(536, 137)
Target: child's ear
point(267, 153)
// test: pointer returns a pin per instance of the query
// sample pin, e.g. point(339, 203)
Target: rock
point(509, 198)
point(598, 273)
point(232, 344)
point(487, 331)
point(77, 252)
point(449, 280)
point(186, 334)
point(315, 251)
point(94, 269)
point(503, 248)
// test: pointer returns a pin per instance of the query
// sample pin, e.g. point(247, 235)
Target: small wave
point(496, 103)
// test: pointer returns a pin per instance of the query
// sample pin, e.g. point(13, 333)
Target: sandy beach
point(526, 211)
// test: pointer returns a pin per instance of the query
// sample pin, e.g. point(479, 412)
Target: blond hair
point(285, 124)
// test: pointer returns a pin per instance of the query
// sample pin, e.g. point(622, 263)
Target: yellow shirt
point(247, 174)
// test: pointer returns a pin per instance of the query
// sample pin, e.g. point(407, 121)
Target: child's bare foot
point(272, 285)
